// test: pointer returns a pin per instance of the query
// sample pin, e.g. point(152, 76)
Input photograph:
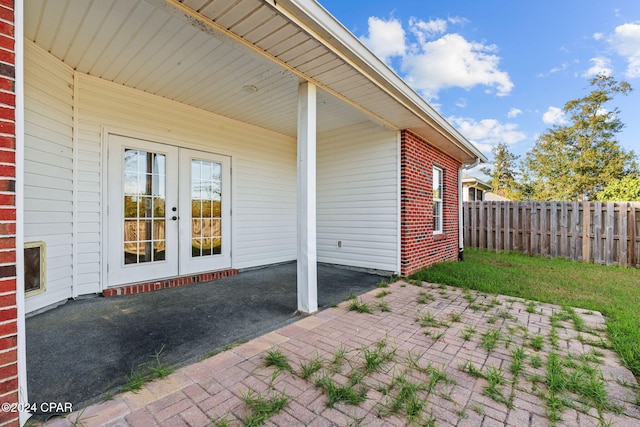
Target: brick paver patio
point(425, 355)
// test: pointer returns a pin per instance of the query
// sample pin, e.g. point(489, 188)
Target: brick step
point(154, 285)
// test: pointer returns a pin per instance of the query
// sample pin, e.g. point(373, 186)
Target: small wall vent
point(34, 267)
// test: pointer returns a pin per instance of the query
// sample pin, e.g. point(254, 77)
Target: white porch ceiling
point(205, 53)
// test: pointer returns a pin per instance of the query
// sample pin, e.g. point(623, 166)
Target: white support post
point(307, 257)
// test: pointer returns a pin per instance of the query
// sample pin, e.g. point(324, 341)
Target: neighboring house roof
point(493, 197)
point(471, 181)
point(242, 59)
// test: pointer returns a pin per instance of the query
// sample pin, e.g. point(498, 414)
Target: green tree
point(626, 189)
point(503, 172)
point(577, 160)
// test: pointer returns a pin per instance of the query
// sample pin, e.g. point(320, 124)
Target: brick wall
point(8, 308)
point(420, 247)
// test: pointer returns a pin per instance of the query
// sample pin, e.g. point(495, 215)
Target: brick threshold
point(154, 285)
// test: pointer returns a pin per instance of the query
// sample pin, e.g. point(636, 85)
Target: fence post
point(506, 237)
point(535, 221)
point(483, 225)
point(597, 233)
point(554, 247)
point(586, 231)
point(575, 230)
point(545, 230)
point(623, 241)
point(633, 226)
point(564, 230)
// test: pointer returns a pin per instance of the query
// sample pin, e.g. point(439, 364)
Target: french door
point(169, 211)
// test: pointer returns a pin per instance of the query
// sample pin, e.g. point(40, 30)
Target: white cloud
point(514, 112)
point(386, 38)
point(554, 116)
point(435, 59)
point(461, 103)
point(626, 42)
point(598, 36)
point(601, 65)
point(554, 70)
point(453, 61)
point(427, 30)
point(487, 133)
point(458, 20)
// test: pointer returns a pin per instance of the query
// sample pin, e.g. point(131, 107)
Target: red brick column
point(419, 246)
point(8, 283)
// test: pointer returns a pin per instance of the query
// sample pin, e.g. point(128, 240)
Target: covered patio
point(82, 351)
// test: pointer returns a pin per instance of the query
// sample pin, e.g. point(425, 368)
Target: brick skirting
point(138, 288)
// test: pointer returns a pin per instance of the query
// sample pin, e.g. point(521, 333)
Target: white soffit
point(212, 54)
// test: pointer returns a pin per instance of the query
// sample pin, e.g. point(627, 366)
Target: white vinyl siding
point(263, 163)
point(48, 171)
point(263, 171)
point(357, 178)
point(358, 197)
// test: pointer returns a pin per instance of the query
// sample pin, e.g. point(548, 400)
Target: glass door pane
point(206, 208)
point(142, 233)
point(205, 211)
point(144, 206)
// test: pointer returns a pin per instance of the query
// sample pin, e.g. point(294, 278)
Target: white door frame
point(188, 263)
point(178, 195)
point(118, 273)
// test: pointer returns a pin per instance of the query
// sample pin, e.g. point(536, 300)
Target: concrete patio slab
point(402, 355)
point(81, 351)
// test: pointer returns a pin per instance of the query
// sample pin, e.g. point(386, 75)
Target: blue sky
point(502, 71)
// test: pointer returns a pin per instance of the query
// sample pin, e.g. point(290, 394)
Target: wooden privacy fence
point(602, 233)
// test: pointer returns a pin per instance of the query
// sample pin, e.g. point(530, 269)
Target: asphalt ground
point(83, 351)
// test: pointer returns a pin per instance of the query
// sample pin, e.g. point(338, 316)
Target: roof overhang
point(242, 59)
point(471, 181)
point(416, 114)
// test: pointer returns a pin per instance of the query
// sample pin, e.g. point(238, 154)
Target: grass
point(427, 319)
point(405, 398)
point(278, 360)
point(336, 393)
point(383, 293)
point(467, 333)
point(147, 372)
point(310, 367)
point(425, 298)
point(220, 350)
point(613, 291)
point(261, 408)
point(490, 339)
point(378, 357)
point(537, 342)
point(359, 306)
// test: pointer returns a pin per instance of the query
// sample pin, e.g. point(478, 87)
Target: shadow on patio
point(77, 352)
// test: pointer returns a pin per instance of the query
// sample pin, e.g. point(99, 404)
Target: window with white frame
point(437, 200)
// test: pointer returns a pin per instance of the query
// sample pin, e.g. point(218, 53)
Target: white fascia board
point(344, 43)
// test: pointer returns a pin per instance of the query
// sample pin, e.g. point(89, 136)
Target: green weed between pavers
point(147, 372)
point(613, 291)
point(467, 333)
point(383, 293)
point(425, 298)
point(261, 408)
point(307, 369)
point(278, 360)
point(347, 376)
point(571, 381)
point(360, 306)
point(221, 350)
